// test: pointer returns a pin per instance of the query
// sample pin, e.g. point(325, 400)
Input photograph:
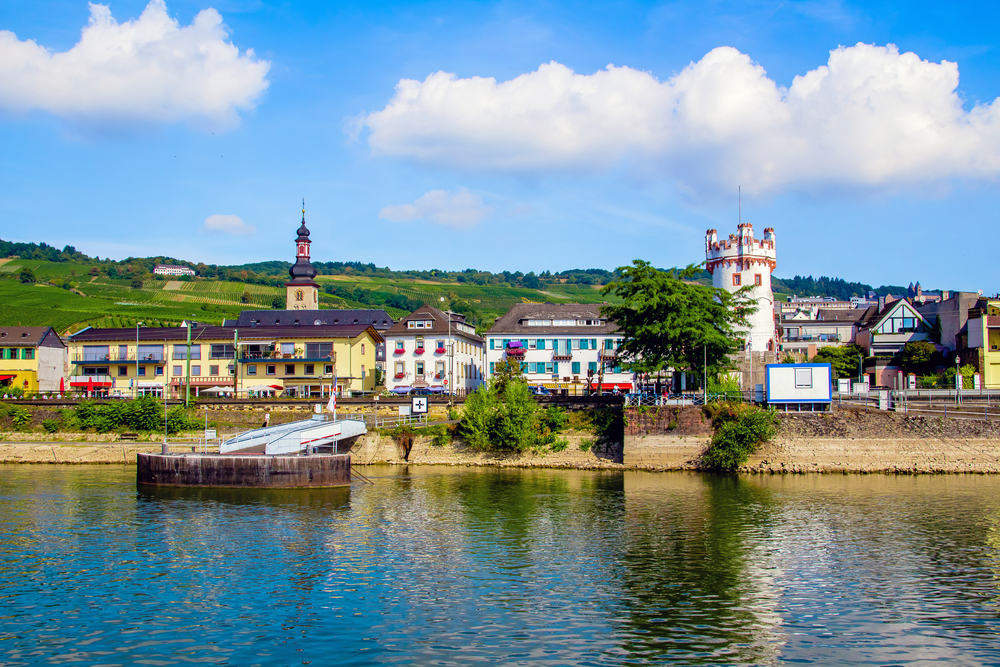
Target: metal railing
point(375, 421)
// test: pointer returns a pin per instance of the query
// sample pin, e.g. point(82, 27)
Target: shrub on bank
point(506, 418)
point(739, 436)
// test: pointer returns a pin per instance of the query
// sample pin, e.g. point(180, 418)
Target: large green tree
point(669, 322)
point(844, 360)
point(919, 357)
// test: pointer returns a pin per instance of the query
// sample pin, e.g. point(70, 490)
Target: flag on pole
point(332, 404)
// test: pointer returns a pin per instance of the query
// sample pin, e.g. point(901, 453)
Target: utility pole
point(187, 382)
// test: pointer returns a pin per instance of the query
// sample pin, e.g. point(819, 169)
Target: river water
point(455, 566)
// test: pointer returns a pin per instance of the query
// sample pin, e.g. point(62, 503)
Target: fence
point(375, 421)
point(944, 403)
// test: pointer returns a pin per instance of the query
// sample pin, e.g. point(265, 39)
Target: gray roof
point(514, 321)
point(439, 318)
point(853, 315)
point(29, 337)
point(374, 317)
point(223, 334)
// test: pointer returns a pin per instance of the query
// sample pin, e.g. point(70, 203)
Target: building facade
point(743, 261)
point(310, 360)
point(32, 359)
point(172, 270)
point(434, 350)
point(567, 348)
point(884, 331)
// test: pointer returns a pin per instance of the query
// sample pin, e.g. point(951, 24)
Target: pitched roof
point(854, 315)
point(211, 333)
point(25, 336)
point(439, 323)
point(375, 317)
point(515, 320)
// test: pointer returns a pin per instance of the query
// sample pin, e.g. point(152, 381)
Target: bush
point(20, 417)
point(50, 425)
point(510, 420)
point(735, 440)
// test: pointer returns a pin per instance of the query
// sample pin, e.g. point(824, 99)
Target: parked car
point(539, 390)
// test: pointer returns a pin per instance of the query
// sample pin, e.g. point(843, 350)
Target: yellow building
point(295, 360)
point(984, 335)
point(32, 359)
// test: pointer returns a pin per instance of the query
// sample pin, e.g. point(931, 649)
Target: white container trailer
point(800, 387)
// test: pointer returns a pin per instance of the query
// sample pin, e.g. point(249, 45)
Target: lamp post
point(451, 358)
point(958, 378)
point(135, 394)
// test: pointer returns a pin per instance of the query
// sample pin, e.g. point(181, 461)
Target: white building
point(740, 261)
point(567, 348)
point(172, 270)
point(431, 349)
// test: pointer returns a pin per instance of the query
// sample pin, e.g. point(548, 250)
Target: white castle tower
point(742, 260)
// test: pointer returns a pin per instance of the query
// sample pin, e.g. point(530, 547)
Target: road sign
point(419, 405)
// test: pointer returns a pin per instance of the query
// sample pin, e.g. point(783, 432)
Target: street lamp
point(451, 357)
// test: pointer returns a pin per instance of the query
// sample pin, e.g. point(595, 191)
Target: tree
point(844, 360)
point(27, 275)
point(919, 357)
point(278, 302)
point(245, 297)
point(670, 323)
point(505, 372)
point(136, 283)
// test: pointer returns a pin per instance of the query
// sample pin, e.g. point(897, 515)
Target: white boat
point(295, 437)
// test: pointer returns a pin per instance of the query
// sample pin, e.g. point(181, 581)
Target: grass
point(106, 302)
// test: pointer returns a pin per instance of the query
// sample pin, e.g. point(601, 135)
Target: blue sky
point(156, 132)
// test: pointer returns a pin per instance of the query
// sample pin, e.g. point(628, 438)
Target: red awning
point(7, 377)
point(96, 385)
point(609, 386)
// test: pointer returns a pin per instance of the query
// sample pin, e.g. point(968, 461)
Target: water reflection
point(455, 565)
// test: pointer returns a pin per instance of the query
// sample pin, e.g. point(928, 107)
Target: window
point(180, 351)
point(123, 353)
point(491, 343)
point(286, 348)
point(583, 344)
point(151, 352)
point(289, 369)
point(99, 370)
point(159, 370)
point(90, 353)
point(399, 345)
point(196, 370)
point(224, 351)
point(319, 350)
point(541, 343)
point(420, 343)
point(122, 371)
point(418, 368)
point(524, 367)
point(178, 370)
point(803, 378)
point(439, 370)
point(592, 366)
point(310, 369)
point(609, 344)
point(251, 369)
point(575, 367)
point(492, 364)
point(27, 353)
point(328, 369)
point(756, 279)
point(533, 344)
point(362, 371)
point(142, 371)
point(736, 280)
point(400, 368)
point(213, 370)
point(270, 369)
point(362, 348)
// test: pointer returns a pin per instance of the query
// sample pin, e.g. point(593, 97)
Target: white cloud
point(870, 117)
point(147, 70)
point(228, 224)
point(461, 209)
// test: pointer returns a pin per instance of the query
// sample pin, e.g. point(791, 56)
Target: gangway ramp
point(294, 437)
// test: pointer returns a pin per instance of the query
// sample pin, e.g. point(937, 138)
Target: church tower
point(302, 292)
point(742, 260)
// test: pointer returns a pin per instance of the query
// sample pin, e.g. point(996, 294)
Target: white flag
point(332, 404)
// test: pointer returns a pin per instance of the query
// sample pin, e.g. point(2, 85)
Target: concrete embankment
point(664, 439)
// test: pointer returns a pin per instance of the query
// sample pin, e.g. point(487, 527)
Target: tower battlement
point(742, 261)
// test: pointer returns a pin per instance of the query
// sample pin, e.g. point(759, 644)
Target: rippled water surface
point(458, 566)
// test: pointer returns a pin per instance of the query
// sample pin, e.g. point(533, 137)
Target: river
point(455, 566)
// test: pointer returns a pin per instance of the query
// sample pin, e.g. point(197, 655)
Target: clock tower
point(302, 292)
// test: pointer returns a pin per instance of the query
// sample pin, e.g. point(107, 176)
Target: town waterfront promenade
point(435, 565)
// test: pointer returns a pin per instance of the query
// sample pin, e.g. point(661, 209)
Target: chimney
point(945, 295)
point(881, 303)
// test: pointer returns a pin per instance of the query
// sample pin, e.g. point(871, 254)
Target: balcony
point(113, 357)
point(562, 356)
point(516, 352)
point(258, 358)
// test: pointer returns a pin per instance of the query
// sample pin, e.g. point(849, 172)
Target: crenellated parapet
point(740, 251)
